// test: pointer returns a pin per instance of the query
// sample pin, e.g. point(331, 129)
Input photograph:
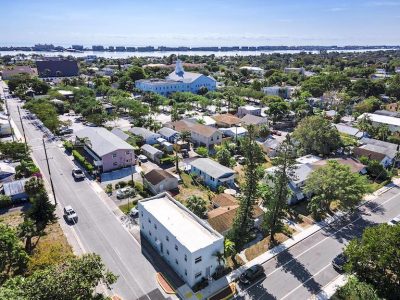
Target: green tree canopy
point(13, 258)
point(355, 290)
point(316, 134)
point(334, 182)
point(197, 205)
point(375, 259)
point(75, 279)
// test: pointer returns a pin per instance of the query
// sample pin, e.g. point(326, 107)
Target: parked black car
point(251, 274)
point(338, 262)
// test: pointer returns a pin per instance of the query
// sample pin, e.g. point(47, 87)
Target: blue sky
point(201, 22)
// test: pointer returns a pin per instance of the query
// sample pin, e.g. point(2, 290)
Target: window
point(141, 213)
point(197, 275)
point(149, 232)
point(185, 272)
point(176, 247)
point(167, 251)
point(128, 160)
point(176, 261)
point(197, 260)
point(155, 226)
point(185, 257)
point(167, 238)
point(114, 155)
point(115, 164)
point(128, 152)
point(149, 220)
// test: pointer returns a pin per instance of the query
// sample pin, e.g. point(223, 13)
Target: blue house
point(177, 81)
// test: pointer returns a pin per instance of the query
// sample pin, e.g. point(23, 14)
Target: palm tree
point(220, 257)
point(185, 136)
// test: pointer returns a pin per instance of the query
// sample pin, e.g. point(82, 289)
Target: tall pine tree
point(276, 194)
point(244, 219)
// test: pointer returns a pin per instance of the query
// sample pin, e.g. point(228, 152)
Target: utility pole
point(23, 129)
point(48, 168)
point(9, 119)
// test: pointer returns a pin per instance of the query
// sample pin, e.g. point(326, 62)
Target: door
point(208, 269)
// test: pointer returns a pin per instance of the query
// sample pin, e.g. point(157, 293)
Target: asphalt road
point(98, 229)
point(303, 270)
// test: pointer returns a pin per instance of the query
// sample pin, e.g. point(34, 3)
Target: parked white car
point(125, 192)
point(70, 214)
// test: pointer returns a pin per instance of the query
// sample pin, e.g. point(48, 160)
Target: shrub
point(167, 160)
point(68, 146)
point(121, 184)
point(109, 188)
point(142, 191)
point(87, 165)
point(202, 151)
point(5, 201)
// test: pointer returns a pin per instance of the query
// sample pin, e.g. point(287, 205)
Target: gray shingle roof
point(103, 141)
point(119, 133)
point(353, 131)
point(212, 168)
point(255, 120)
point(143, 132)
point(150, 149)
point(167, 132)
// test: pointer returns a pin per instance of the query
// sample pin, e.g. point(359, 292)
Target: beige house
point(158, 181)
point(201, 135)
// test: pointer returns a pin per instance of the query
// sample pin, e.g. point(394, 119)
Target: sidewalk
point(186, 293)
point(330, 289)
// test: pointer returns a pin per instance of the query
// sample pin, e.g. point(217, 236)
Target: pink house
point(105, 150)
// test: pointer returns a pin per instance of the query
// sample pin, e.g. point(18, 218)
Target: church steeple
point(179, 68)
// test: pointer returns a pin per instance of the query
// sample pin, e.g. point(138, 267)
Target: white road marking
point(300, 285)
point(360, 217)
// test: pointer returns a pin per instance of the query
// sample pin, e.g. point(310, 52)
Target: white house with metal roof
point(177, 81)
point(186, 243)
point(104, 149)
point(212, 173)
point(392, 122)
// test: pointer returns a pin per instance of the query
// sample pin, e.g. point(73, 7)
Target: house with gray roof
point(16, 189)
point(105, 150)
point(212, 173)
point(148, 136)
point(254, 120)
point(152, 153)
point(384, 152)
point(350, 130)
point(169, 134)
point(119, 133)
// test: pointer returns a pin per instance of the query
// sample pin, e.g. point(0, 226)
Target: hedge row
point(87, 165)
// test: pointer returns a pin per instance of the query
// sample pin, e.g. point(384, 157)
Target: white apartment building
point(186, 242)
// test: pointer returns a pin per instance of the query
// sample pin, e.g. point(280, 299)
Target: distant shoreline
point(159, 53)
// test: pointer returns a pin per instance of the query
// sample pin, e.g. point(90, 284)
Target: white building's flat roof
point(189, 230)
point(382, 119)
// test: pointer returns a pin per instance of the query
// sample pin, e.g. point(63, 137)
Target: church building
point(177, 81)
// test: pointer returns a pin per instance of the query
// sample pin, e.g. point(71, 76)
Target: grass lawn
point(376, 186)
point(54, 233)
point(125, 208)
point(263, 246)
point(189, 188)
